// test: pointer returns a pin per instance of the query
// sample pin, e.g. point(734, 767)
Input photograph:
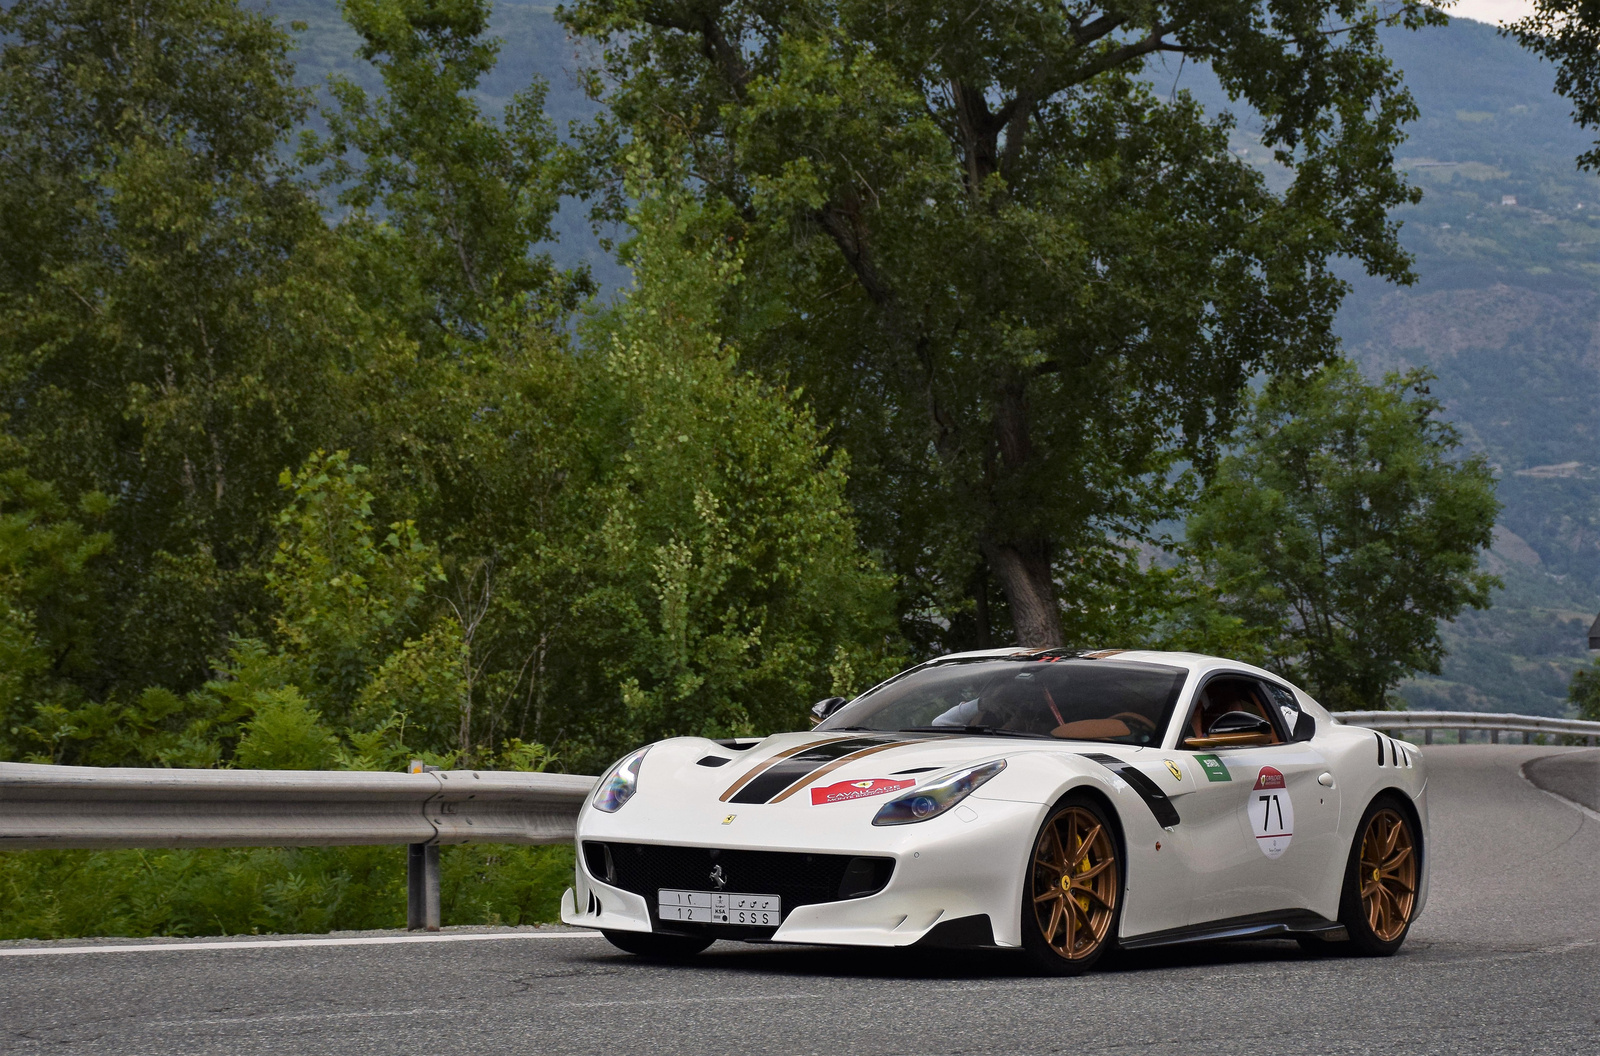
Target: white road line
point(269, 944)
point(1587, 811)
point(232, 1021)
point(722, 999)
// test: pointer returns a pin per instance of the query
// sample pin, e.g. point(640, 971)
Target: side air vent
point(597, 856)
point(713, 760)
point(865, 876)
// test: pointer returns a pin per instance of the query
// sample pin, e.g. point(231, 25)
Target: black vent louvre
point(798, 879)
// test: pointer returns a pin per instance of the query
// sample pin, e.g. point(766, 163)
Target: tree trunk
point(1023, 570)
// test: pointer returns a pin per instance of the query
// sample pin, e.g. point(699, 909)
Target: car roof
point(1195, 663)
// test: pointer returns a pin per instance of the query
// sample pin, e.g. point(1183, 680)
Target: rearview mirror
point(823, 708)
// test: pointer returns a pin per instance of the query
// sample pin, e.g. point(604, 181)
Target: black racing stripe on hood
point(787, 771)
point(1166, 814)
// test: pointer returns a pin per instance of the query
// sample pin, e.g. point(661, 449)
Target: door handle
point(1325, 780)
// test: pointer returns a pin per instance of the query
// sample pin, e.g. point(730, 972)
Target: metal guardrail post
point(422, 887)
point(422, 875)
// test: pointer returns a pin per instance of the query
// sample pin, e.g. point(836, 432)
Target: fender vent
point(713, 760)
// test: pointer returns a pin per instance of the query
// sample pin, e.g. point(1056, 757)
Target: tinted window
point(1090, 700)
point(1300, 726)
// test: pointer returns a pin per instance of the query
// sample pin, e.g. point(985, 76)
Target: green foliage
point(726, 565)
point(1347, 526)
point(346, 599)
point(60, 894)
point(1017, 283)
point(48, 600)
point(446, 203)
point(1584, 692)
point(162, 331)
point(285, 733)
point(1567, 33)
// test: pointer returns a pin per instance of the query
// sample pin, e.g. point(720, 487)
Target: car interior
point(1231, 712)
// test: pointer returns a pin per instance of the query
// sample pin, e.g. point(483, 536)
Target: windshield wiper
point(983, 730)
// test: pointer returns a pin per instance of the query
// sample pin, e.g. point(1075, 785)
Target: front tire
point(1073, 898)
point(656, 947)
point(1380, 879)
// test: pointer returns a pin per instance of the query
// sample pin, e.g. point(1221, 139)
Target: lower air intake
point(797, 879)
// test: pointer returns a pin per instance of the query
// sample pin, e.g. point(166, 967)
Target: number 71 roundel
point(1271, 812)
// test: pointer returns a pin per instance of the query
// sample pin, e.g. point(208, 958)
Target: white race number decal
point(1271, 812)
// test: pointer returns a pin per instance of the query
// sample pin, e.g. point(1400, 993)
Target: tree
point(446, 203)
point(1567, 33)
point(1017, 283)
point(1346, 526)
point(48, 600)
point(727, 591)
point(164, 317)
point(1584, 692)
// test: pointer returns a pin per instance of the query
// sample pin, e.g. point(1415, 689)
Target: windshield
point(1065, 697)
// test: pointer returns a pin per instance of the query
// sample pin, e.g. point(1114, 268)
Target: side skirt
point(1281, 924)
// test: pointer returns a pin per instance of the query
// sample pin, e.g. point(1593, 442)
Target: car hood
point(845, 770)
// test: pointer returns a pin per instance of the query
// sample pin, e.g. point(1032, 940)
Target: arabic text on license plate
point(719, 907)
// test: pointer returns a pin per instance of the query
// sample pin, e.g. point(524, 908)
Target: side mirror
point(823, 708)
point(1236, 722)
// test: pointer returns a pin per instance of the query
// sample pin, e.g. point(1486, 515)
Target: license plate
point(719, 907)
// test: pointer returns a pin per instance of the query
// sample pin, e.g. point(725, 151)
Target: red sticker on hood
point(844, 791)
point(1270, 778)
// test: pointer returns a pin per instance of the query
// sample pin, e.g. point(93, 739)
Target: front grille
point(797, 879)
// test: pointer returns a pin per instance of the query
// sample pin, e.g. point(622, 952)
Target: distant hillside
point(1506, 310)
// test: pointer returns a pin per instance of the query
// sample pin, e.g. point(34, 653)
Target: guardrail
point(88, 807)
point(1463, 721)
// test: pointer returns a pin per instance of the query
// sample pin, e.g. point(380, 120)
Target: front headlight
point(620, 784)
point(930, 801)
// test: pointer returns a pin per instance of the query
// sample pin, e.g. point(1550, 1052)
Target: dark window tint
point(1072, 699)
point(1232, 693)
point(1299, 725)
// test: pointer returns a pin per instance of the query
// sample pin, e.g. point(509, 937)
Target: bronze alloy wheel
point(1388, 874)
point(1075, 883)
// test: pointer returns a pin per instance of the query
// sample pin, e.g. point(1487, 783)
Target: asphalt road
point(1506, 958)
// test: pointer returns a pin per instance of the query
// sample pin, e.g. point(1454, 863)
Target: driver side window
point(1227, 695)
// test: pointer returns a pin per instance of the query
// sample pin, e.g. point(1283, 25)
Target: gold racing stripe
point(817, 775)
point(762, 767)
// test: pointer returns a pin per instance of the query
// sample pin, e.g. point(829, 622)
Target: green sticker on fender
point(1214, 768)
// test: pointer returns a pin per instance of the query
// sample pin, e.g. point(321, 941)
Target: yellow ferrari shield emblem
point(1176, 773)
point(729, 819)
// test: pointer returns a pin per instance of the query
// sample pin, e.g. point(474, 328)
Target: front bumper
point(964, 864)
